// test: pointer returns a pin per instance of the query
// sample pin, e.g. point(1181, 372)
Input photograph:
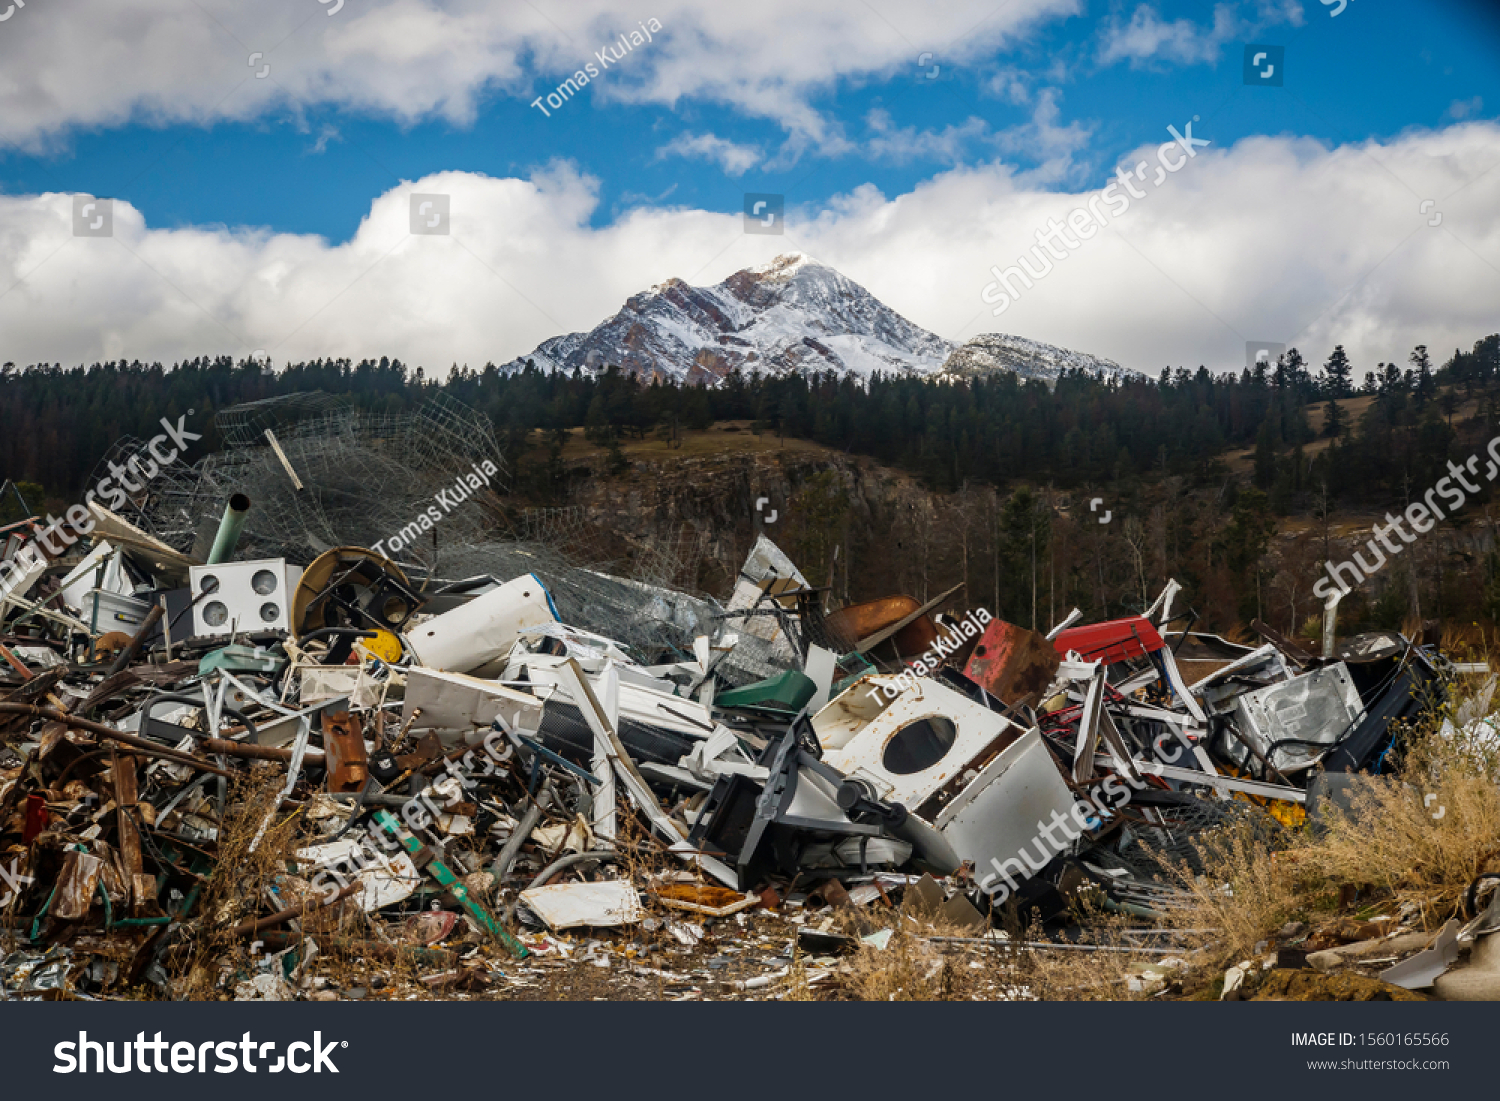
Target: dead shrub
point(1253, 881)
point(1099, 971)
point(1422, 834)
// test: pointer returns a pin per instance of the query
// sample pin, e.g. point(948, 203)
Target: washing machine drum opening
point(919, 745)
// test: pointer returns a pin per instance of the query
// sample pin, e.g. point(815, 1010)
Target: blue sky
point(1357, 203)
point(1377, 69)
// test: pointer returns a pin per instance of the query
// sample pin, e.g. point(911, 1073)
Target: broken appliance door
point(1006, 807)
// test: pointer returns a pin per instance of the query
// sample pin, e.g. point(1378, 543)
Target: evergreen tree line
point(995, 430)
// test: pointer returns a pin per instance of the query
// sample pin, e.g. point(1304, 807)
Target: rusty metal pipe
point(249, 751)
point(245, 928)
point(151, 749)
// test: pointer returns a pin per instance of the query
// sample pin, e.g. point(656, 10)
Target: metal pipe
point(249, 751)
point(151, 749)
point(230, 527)
point(513, 844)
point(246, 928)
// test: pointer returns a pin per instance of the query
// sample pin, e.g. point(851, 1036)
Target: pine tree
point(1333, 419)
point(1338, 371)
point(1265, 454)
point(1425, 386)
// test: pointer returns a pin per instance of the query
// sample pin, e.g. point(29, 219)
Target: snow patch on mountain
point(1030, 359)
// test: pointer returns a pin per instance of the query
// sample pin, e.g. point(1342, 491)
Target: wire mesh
point(336, 475)
point(366, 479)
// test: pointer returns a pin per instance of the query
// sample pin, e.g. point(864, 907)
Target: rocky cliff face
point(689, 522)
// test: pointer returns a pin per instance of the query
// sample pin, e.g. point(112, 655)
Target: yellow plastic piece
point(385, 646)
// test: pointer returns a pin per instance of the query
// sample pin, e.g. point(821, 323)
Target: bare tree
point(1138, 541)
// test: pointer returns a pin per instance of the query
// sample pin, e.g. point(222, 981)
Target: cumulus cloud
point(734, 158)
point(1046, 141)
point(1275, 239)
point(165, 61)
point(903, 144)
point(1148, 37)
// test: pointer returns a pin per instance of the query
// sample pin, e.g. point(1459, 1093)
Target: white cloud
point(733, 157)
point(1010, 84)
point(901, 145)
point(1044, 141)
point(326, 134)
point(1147, 37)
point(1280, 239)
point(1463, 108)
point(166, 61)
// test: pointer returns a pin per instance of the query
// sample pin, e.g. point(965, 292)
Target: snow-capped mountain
point(1030, 359)
point(793, 314)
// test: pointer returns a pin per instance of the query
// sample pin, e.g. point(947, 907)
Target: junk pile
point(459, 760)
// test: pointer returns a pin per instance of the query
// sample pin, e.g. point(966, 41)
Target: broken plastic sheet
point(79, 581)
point(568, 905)
point(591, 651)
point(767, 569)
point(483, 630)
point(323, 683)
point(454, 705)
point(649, 704)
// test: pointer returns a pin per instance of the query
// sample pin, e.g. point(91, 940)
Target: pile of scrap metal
point(456, 746)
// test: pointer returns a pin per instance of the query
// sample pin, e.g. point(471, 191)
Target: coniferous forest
point(1237, 485)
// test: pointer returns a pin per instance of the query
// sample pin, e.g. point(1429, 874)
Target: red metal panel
point(1115, 640)
point(1013, 664)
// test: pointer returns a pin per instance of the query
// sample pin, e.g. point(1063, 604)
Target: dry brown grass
point(1254, 881)
point(910, 968)
point(1417, 836)
point(917, 964)
point(1099, 970)
point(1422, 835)
point(722, 438)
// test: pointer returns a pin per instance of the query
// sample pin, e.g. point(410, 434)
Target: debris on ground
point(330, 772)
